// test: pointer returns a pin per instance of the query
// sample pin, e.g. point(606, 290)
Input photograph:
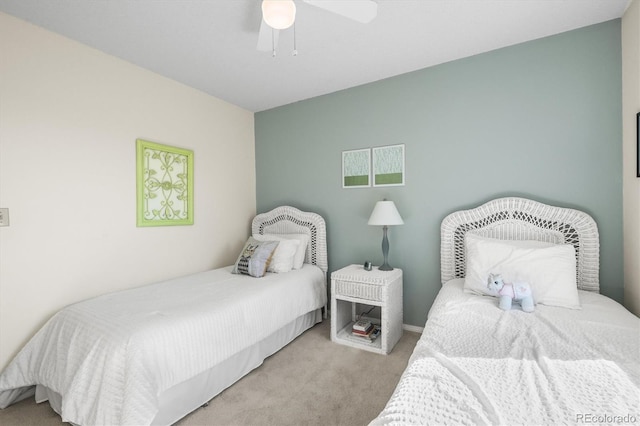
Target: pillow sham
point(550, 269)
point(254, 257)
point(301, 251)
point(516, 243)
point(283, 256)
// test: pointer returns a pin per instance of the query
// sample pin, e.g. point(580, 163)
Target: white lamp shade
point(279, 14)
point(385, 213)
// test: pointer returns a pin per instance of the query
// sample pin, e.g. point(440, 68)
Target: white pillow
point(283, 257)
point(549, 269)
point(517, 243)
point(301, 251)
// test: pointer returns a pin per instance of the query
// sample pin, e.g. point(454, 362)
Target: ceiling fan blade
point(359, 10)
point(268, 38)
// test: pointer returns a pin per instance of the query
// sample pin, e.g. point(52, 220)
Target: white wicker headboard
point(289, 220)
point(522, 219)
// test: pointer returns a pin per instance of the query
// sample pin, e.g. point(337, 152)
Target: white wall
point(69, 119)
point(631, 183)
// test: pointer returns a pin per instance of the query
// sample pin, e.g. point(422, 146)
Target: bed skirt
point(191, 394)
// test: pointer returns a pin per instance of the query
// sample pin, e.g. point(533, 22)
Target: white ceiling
point(211, 44)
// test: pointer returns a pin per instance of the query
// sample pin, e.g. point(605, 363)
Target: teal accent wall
point(540, 120)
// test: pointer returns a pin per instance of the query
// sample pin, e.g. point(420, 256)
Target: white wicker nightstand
point(351, 285)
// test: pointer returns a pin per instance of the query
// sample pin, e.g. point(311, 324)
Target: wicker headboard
point(289, 220)
point(522, 219)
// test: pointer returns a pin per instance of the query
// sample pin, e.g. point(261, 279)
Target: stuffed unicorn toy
point(518, 291)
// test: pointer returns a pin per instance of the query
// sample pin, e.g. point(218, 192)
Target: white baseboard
point(413, 328)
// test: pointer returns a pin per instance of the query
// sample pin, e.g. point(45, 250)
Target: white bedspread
point(476, 364)
point(111, 356)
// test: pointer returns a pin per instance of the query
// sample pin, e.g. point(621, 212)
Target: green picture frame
point(164, 185)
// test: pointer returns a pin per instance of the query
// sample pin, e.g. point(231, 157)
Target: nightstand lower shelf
point(345, 337)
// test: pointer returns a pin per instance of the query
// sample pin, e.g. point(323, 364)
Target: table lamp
point(385, 214)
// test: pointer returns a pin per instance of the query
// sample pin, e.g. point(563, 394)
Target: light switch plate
point(4, 217)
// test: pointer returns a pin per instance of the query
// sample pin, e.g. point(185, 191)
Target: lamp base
point(385, 250)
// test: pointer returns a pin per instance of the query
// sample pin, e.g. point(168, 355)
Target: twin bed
point(153, 354)
point(562, 364)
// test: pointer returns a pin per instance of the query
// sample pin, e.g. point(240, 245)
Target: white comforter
point(110, 357)
point(476, 364)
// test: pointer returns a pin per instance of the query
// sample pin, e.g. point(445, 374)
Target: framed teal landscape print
point(164, 184)
point(388, 165)
point(356, 168)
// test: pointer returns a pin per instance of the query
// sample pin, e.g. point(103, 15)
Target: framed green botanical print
point(388, 165)
point(356, 168)
point(164, 184)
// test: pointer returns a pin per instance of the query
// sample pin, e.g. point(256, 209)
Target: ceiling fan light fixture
point(279, 14)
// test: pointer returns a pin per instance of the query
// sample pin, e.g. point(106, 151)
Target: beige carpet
point(312, 381)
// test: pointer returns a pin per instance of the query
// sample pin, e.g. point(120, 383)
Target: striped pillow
point(254, 257)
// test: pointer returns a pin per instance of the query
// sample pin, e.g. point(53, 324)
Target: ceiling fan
point(280, 14)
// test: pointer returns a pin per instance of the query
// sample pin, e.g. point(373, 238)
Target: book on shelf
point(370, 335)
point(362, 325)
point(364, 332)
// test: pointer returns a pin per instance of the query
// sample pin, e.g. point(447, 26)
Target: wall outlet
point(4, 217)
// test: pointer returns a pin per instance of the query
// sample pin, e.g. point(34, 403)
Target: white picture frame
point(356, 168)
point(388, 165)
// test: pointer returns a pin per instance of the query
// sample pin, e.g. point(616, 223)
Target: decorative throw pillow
point(550, 270)
point(283, 256)
point(254, 257)
point(301, 250)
